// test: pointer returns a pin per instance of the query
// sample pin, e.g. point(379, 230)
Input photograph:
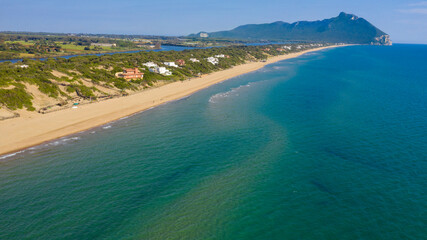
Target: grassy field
point(67, 46)
point(66, 49)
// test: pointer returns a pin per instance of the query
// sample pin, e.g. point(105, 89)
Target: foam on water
point(34, 149)
point(233, 92)
point(10, 155)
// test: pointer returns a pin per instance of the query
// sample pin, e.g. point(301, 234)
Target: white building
point(150, 65)
point(204, 35)
point(171, 64)
point(212, 60)
point(23, 66)
point(194, 60)
point(161, 70)
point(220, 56)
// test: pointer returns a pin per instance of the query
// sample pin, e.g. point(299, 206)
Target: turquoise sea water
point(331, 145)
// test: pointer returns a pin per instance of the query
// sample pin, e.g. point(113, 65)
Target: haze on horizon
point(405, 21)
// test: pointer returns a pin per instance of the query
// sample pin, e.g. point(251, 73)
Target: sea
point(329, 145)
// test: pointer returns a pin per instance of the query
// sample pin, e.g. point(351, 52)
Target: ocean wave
point(58, 142)
point(10, 155)
point(233, 92)
point(61, 141)
point(106, 127)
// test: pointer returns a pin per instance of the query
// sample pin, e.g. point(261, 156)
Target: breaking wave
point(233, 92)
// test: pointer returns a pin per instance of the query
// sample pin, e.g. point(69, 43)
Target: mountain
point(346, 28)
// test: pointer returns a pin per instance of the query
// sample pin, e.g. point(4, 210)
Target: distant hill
point(346, 28)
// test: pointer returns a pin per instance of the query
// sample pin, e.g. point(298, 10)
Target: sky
point(404, 20)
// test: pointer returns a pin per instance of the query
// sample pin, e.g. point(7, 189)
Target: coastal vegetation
point(20, 45)
point(16, 45)
point(53, 84)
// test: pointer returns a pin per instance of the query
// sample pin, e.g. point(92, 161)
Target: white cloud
point(418, 4)
point(414, 10)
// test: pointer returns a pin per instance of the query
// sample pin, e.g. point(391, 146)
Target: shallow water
point(330, 145)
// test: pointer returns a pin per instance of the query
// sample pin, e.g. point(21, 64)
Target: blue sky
point(404, 20)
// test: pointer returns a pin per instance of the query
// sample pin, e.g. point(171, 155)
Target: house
point(194, 60)
point(220, 56)
point(180, 62)
point(170, 64)
point(130, 74)
point(212, 60)
point(161, 70)
point(164, 71)
point(23, 66)
point(150, 65)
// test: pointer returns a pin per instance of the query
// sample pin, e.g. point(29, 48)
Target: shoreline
point(25, 132)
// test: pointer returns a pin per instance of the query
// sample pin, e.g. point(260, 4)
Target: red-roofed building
point(180, 62)
point(130, 74)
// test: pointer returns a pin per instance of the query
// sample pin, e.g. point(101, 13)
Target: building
point(170, 64)
point(161, 70)
point(204, 35)
point(212, 60)
point(130, 74)
point(104, 44)
point(220, 56)
point(180, 62)
point(23, 66)
point(150, 65)
point(194, 60)
point(164, 71)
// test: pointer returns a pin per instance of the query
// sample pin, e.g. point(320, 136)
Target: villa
point(194, 60)
point(180, 62)
point(130, 74)
point(150, 65)
point(170, 64)
point(161, 70)
point(212, 60)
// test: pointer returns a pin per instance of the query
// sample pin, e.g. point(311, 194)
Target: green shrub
point(16, 98)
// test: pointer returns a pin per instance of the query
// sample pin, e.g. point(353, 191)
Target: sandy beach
point(23, 132)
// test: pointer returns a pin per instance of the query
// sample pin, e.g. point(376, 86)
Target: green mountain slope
point(346, 28)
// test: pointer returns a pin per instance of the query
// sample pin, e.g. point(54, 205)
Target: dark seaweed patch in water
point(148, 193)
point(322, 187)
point(162, 183)
point(355, 158)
